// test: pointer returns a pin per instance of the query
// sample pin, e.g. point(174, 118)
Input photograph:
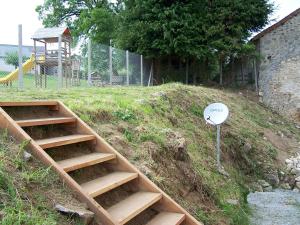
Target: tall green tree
point(190, 30)
point(12, 58)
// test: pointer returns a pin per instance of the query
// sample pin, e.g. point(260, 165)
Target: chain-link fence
point(107, 65)
point(51, 63)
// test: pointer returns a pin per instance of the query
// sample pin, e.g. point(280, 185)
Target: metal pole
point(89, 62)
point(59, 70)
point(218, 150)
point(127, 67)
point(110, 65)
point(255, 75)
point(151, 74)
point(142, 71)
point(20, 74)
point(187, 72)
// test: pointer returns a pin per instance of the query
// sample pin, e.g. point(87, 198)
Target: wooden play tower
point(55, 57)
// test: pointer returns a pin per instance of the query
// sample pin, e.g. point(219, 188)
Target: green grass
point(29, 82)
point(23, 187)
point(145, 124)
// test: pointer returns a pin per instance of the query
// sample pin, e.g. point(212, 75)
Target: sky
point(14, 12)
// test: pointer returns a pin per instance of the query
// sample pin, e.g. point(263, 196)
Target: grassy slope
point(142, 125)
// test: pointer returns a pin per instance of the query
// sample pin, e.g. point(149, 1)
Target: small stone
point(161, 94)
point(255, 187)
point(263, 183)
point(297, 185)
point(295, 171)
point(296, 190)
point(86, 215)
point(288, 161)
point(297, 179)
point(232, 201)
point(285, 186)
point(141, 101)
point(273, 179)
point(267, 189)
point(27, 156)
point(247, 147)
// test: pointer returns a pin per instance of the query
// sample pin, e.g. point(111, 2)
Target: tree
point(188, 30)
point(12, 58)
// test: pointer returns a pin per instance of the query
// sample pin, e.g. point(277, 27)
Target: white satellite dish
point(216, 113)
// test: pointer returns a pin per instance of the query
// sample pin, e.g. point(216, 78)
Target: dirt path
point(280, 207)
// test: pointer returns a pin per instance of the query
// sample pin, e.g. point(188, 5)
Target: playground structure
point(55, 57)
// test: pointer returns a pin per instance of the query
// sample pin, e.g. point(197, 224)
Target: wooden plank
point(6, 122)
point(34, 103)
point(167, 218)
point(85, 161)
point(106, 183)
point(45, 121)
point(125, 210)
point(167, 203)
point(64, 140)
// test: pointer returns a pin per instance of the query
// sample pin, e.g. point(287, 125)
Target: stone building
point(278, 69)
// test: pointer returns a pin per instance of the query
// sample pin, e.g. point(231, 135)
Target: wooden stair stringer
point(144, 182)
point(6, 122)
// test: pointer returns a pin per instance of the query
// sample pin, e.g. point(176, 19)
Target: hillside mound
point(161, 130)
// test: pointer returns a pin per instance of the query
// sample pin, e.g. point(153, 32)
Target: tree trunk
point(221, 71)
point(242, 72)
point(157, 71)
point(187, 71)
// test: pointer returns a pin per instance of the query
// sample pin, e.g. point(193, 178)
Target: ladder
point(79, 155)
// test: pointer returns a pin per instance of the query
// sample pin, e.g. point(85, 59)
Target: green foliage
point(12, 58)
point(198, 31)
point(124, 114)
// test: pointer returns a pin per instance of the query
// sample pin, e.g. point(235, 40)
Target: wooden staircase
point(102, 178)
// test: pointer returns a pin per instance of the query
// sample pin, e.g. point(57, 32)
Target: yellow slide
point(27, 66)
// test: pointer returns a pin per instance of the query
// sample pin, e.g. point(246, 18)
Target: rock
point(295, 171)
point(161, 94)
point(256, 187)
point(141, 101)
point(247, 147)
point(86, 215)
point(267, 189)
point(285, 186)
point(263, 183)
point(27, 156)
point(273, 179)
point(232, 201)
point(288, 161)
point(297, 179)
point(296, 190)
point(177, 146)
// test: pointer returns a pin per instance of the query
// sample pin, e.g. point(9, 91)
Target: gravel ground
point(280, 207)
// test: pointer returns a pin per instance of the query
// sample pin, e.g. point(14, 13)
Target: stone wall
point(279, 70)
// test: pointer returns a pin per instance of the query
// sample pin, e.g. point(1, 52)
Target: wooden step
point(35, 103)
point(167, 218)
point(85, 161)
point(125, 210)
point(64, 140)
point(106, 183)
point(45, 121)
